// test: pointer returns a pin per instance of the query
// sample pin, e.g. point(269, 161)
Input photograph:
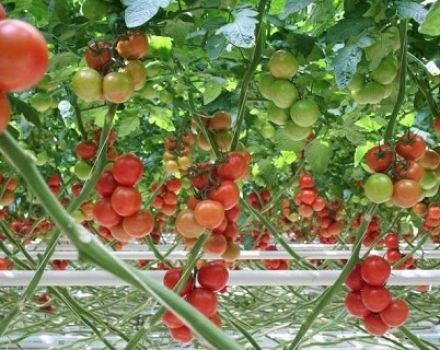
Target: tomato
point(410, 170)
point(375, 299)
point(223, 139)
point(173, 276)
point(216, 320)
point(370, 93)
point(139, 224)
point(308, 196)
point(233, 214)
point(126, 200)
point(378, 188)
point(2, 12)
point(106, 184)
point(94, 10)
point(216, 245)
point(305, 112)
point(41, 102)
point(411, 146)
point(220, 121)
point(396, 314)
point(27, 55)
point(213, 277)
point(117, 87)
point(203, 300)
point(187, 225)
point(104, 214)
point(354, 305)
point(171, 321)
point(375, 271)
point(374, 325)
point(234, 167)
point(182, 334)
point(232, 253)
point(318, 204)
point(110, 139)
point(5, 112)
point(354, 280)
point(283, 65)
point(82, 170)
point(430, 160)
point(278, 116)
point(134, 47)
point(228, 194)
point(437, 124)
point(392, 241)
point(209, 213)
point(128, 169)
point(283, 94)
point(379, 158)
point(385, 72)
point(86, 150)
point(429, 180)
point(87, 84)
point(99, 55)
point(118, 232)
point(137, 72)
point(406, 193)
point(169, 210)
point(296, 132)
point(306, 181)
point(393, 255)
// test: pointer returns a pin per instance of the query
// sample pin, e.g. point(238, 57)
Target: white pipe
point(14, 278)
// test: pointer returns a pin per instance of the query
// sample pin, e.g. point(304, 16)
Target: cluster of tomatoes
point(59, 264)
point(25, 63)
point(219, 124)
point(308, 200)
point(275, 264)
point(114, 86)
point(45, 304)
point(119, 208)
point(7, 192)
point(178, 153)
point(212, 277)
point(370, 300)
point(394, 255)
point(431, 218)
point(296, 116)
point(259, 199)
point(372, 232)
point(405, 175)
point(166, 201)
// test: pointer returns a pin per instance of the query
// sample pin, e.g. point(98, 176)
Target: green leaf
point(215, 46)
point(285, 143)
point(410, 9)
point(408, 120)
point(318, 155)
point(241, 32)
point(213, 89)
point(178, 30)
point(139, 12)
point(361, 151)
point(347, 28)
point(354, 136)
point(431, 24)
point(371, 124)
point(127, 123)
point(28, 111)
point(63, 60)
point(162, 117)
point(345, 64)
point(293, 6)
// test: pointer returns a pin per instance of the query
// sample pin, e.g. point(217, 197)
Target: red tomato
point(411, 146)
point(216, 320)
point(374, 325)
point(203, 300)
point(376, 299)
point(233, 168)
point(86, 150)
point(213, 277)
point(182, 334)
point(139, 224)
point(354, 305)
point(76, 189)
point(233, 214)
point(308, 196)
point(25, 55)
point(306, 181)
point(220, 121)
point(170, 198)
point(318, 204)
point(5, 112)
point(173, 276)
point(209, 213)
point(354, 280)
point(171, 321)
point(379, 158)
point(227, 194)
point(106, 184)
point(406, 193)
point(174, 185)
point(126, 201)
point(393, 255)
point(99, 55)
point(104, 214)
point(134, 47)
point(396, 314)
point(375, 271)
point(128, 169)
point(392, 241)
point(110, 139)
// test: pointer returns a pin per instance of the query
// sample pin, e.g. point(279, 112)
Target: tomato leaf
point(345, 64)
point(318, 155)
point(128, 122)
point(139, 12)
point(285, 143)
point(29, 112)
point(347, 28)
point(293, 6)
point(213, 89)
point(431, 24)
point(410, 9)
point(241, 32)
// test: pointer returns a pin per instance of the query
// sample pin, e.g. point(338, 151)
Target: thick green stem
point(417, 342)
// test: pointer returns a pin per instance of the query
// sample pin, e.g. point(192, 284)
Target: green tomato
point(41, 102)
point(378, 188)
point(277, 115)
point(356, 82)
point(296, 132)
point(41, 158)
point(149, 92)
point(370, 93)
point(283, 65)
point(364, 202)
point(430, 192)
point(355, 199)
point(82, 170)
point(386, 71)
point(78, 216)
point(166, 96)
point(47, 84)
point(94, 10)
point(429, 180)
point(265, 85)
point(268, 131)
point(87, 84)
point(284, 93)
point(305, 112)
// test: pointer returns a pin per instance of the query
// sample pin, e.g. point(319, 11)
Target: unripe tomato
point(137, 72)
point(82, 170)
point(379, 188)
point(305, 112)
point(232, 253)
point(117, 87)
point(134, 47)
point(87, 84)
point(283, 65)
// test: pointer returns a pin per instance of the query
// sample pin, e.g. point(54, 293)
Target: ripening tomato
point(410, 170)
point(355, 306)
point(411, 146)
point(213, 277)
point(182, 335)
point(117, 87)
point(430, 160)
point(118, 232)
point(220, 121)
point(209, 213)
point(139, 224)
point(134, 47)
point(24, 56)
point(375, 270)
point(136, 70)
point(223, 139)
point(173, 276)
point(187, 225)
point(99, 55)
point(406, 193)
point(376, 299)
point(228, 194)
point(104, 213)
point(125, 200)
point(5, 112)
point(171, 320)
point(216, 245)
point(106, 184)
point(374, 325)
point(128, 169)
point(203, 300)
point(232, 253)
point(86, 150)
point(379, 158)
